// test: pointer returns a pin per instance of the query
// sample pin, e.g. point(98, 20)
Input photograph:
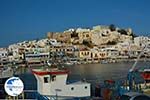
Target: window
point(85, 87)
point(45, 79)
point(2, 54)
point(87, 53)
point(96, 55)
point(82, 53)
point(53, 77)
point(87, 35)
point(72, 88)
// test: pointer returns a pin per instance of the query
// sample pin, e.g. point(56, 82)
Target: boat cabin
point(53, 82)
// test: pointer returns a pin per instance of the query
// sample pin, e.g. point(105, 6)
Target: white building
point(36, 56)
point(3, 54)
point(112, 52)
point(54, 42)
point(16, 52)
point(81, 30)
point(141, 41)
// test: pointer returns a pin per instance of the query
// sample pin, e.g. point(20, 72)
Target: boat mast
point(141, 53)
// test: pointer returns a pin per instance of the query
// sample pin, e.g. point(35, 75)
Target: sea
point(93, 73)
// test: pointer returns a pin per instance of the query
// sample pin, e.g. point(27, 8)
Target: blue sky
point(31, 19)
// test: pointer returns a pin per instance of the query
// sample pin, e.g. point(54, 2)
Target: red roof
point(55, 72)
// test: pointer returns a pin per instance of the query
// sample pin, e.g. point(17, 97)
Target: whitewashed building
point(3, 54)
point(141, 40)
point(112, 53)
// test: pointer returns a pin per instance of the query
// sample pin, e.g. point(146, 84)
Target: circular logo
point(14, 86)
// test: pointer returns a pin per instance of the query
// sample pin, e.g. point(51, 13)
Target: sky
point(30, 19)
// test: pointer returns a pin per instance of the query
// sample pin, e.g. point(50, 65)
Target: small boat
point(52, 82)
point(146, 74)
point(103, 61)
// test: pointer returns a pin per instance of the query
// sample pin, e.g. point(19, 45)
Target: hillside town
point(100, 44)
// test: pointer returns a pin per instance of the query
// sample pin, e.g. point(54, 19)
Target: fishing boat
point(52, 83)
point(144, 71)
point(135, 74)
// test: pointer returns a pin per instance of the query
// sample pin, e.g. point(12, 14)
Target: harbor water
point(93, 73)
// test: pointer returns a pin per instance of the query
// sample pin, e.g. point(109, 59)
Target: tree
point(111, 43)
point(123, 32)
point(112, 27)
point(87, 43)
point(74, 34)
point(133, 35)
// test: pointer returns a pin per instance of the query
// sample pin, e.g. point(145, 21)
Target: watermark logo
point(14, 86)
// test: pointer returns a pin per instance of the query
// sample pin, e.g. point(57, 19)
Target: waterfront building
point(141, 41)
point(112, 53)
point(85, 54)
point(36, 56)
point(124, 48)
point(53, 42)
point(16, 52)
point(3, 54)
point(94, 54)
point(134, 50)
point(36, 59)
point(68, 50)
point(97, 54)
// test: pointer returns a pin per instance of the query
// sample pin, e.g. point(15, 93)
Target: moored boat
point(52, 82)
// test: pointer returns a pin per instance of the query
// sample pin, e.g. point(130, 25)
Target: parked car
point(134, 96)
